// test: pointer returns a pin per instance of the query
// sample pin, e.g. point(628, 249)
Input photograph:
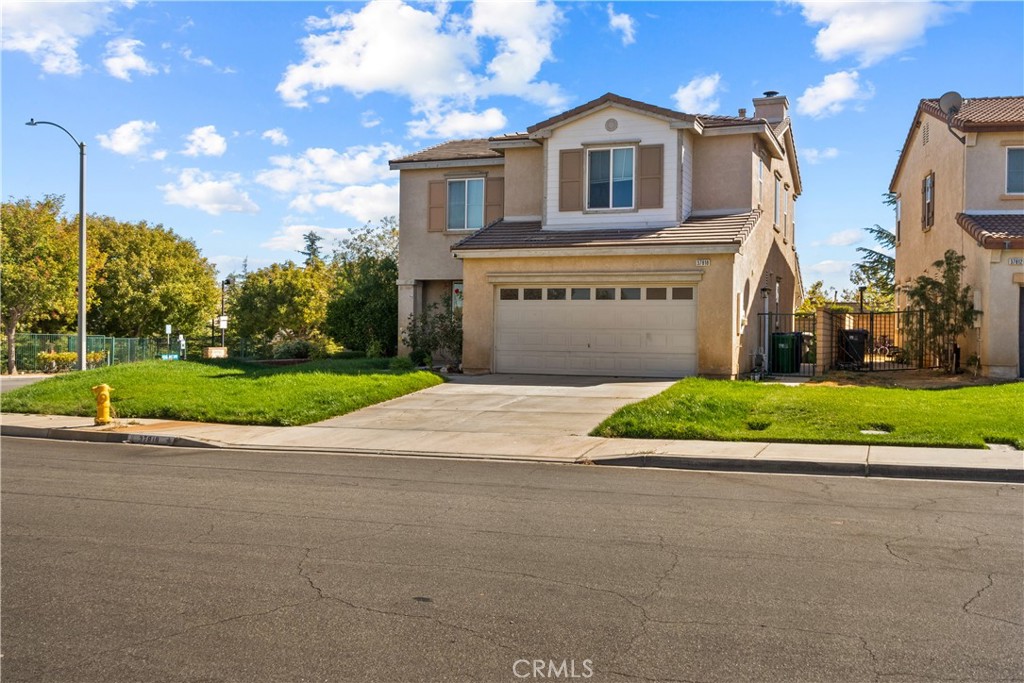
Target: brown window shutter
point(931, 204)
point(437, 198)
point(570, 180)
point(924, 202)
point(651, 172)
point(494, 200)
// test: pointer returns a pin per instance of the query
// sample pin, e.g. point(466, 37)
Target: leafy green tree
point(817, 296)
point(947, 306)
point(151, 277)
point(363, 312)
point(282, 301)
point(39, 267)
point(876, 270)
point(312, 251)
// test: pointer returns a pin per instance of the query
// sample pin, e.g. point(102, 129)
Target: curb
point(857, 469)
point(66, 434)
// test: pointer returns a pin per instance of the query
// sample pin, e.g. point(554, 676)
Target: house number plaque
point(1016, 261)
point(703, 262)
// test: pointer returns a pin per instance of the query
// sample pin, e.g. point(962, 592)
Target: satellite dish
point(950, 103)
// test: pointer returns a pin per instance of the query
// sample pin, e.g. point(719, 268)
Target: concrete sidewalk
point(1001, 464)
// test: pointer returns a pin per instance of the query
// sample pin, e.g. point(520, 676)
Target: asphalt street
point(134, 563)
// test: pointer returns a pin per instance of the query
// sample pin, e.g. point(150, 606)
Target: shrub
point(65, 361)
point(401, 364)
point(435, 334)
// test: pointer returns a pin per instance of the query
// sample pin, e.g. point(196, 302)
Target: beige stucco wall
point(995, 337)
point(986, 172)
point(425, 255)
point(721, 173)
point(713, 295)
point(524, 186)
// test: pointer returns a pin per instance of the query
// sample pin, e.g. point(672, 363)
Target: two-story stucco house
point(964, 190)
point(617, 238)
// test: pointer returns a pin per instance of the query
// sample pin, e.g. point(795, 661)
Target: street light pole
point(81, 239)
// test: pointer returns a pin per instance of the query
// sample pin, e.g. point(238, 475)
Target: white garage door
point(631, 330)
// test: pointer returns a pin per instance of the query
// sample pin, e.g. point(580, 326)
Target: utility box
point(852, 346)
point(786, 351)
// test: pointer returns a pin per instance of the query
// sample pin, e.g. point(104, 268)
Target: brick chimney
point(773, 107)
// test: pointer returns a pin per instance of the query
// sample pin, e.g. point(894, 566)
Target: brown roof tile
point(726, 229)
point(983, 113)
point(453, 150)
point(614, 99)
point(997, 231)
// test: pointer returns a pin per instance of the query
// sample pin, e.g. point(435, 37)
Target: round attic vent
point(611, 125)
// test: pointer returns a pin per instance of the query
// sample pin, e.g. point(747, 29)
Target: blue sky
point(243, 125)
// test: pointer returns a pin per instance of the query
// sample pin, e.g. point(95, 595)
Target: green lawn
point(223, 391)
point(747, 411)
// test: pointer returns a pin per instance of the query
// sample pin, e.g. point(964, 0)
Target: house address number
point(703, 262)
point(1017, 261)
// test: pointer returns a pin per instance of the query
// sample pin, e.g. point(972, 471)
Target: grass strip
point(716, 410)
point(228, 392)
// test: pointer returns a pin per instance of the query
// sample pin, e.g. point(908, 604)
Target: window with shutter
point(928, 201)
point(651, 173)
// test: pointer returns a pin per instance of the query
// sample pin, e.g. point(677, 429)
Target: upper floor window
point(898, 209)
point(928, 201)
point(760, 180)
point(610, 178)
point(1015, 170)
point(466, 204)
point(778, 201)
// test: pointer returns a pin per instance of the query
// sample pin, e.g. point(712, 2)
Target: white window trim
point(611, 160)
point(448, 208)
point(760, 181)
point(778, 202)
point(1006, 172)
point(898, 209)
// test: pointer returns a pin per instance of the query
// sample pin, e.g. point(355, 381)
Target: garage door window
point(509, 295)
point(532, 294)
point(580, 293)
point(682, 293)
point(657, 293)
point(556, 294)
point(605, 294)
point(630, 294)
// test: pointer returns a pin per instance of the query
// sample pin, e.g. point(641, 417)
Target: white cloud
point(363, 202)
point(276, 137)
point(816, 156)
point(290, 237)
point(369, 119)
point(415, 52)
point(50, 32)
point(845, 238)
point(159, 154)
point(830, 267)
point(198, 190)
point(457, 124)
point(699, 96)
point(121, 59)
point(189, 56)
point(624, 24)
point(321, 168)
point(832, 94)
point(204, 141)
point(871, 31)
point(128, 138)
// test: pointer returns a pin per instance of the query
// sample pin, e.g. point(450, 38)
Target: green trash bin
point(785, 352)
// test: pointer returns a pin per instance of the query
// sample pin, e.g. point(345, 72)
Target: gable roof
point(976, 115)
point(994, 231)
point(453, 150)
point(729, 229)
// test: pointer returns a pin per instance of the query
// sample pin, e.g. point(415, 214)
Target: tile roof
point(697, 230)
point(453, 150)
point(994, 231)
point(983, 113)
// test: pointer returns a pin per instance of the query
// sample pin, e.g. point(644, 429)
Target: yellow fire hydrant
point(102, 392)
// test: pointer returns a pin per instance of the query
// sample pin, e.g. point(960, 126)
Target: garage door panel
point(601, 337)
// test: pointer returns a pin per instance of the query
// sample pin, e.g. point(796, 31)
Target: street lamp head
point(31, 122)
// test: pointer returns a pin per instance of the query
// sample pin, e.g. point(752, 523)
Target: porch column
point(410, 293)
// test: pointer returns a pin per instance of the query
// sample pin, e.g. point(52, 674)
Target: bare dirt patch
point(906, 379)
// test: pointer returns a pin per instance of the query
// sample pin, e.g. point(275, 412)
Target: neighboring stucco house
point(968, 195)
point(617, 238)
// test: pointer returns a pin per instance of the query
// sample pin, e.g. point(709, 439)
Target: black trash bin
point(785, 352)
point(852, 345)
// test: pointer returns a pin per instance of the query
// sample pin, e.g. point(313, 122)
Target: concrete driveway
point(552, 405)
